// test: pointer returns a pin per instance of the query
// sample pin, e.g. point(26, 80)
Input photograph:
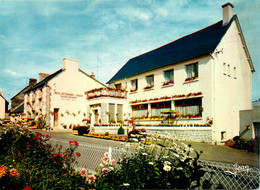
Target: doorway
point(96, 116)
point(56, 117)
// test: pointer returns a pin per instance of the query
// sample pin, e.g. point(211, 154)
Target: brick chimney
point(227, 12)
point(70, 65)
point(42, 76)
point(32, 81)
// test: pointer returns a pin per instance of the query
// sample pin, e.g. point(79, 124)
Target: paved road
point(210, 152)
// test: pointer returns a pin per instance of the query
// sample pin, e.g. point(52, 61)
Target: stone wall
point(195, 134)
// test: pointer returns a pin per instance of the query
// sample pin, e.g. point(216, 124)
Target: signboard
point(68, 96)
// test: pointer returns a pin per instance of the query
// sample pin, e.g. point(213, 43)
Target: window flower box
point(148, 87)
point(133, 90)
point(189, 79)
point(167, 83)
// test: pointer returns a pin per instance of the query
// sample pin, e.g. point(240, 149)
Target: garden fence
point(231, 176)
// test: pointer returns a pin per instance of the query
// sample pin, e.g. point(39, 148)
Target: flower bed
point(115, 138)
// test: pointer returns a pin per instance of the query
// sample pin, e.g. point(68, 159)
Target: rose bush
point(28, 161)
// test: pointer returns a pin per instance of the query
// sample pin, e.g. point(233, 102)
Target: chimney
point(92, 75)
point(32, 81)
point(227, 12)
point(70, 65)
point(42, 76)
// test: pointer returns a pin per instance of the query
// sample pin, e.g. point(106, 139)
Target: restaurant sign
point(68, 96)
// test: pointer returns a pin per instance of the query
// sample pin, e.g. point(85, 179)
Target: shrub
point(28, 160)
point(121, 131)
point(153, 168)
point(240, 143)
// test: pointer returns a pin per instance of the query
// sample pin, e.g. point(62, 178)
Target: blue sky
point(104, 34)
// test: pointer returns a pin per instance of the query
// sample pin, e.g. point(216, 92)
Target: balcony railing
point(106, 92)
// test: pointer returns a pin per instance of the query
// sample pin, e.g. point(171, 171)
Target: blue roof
point(188, 47)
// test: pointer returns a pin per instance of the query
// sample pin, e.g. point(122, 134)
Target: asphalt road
point(211, 152)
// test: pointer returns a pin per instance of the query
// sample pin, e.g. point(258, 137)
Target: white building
point(205, 76)
point(3, 106)
point(59, 97)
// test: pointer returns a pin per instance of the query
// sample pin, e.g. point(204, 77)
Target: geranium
point(104, 170)
point(167, 168)
point(91, 178)
point(14, 173)
point(74, 142)
point(2, 171)
point(78, 154)
point(27, 188)
point(82, 172)
point(113, 162)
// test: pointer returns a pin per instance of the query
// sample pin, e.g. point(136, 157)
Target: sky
point(104, 34)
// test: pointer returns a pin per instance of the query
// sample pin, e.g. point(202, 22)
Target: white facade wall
point(232, 85)
point(203, 84)
point(66, 93)
point(2, 108)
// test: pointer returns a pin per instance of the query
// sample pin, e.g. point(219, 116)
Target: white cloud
point(13, 73)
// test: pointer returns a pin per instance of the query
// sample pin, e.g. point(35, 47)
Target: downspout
point(213, 90)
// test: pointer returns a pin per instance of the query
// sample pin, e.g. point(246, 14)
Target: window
point(223, 135)
point(150, 81)
point(169, 77)
point(157, 108)
point(134, 85)
point(224, 68)
point(235, 72)
point(192, 70)
point(189, 107)
point(118, 86)
point(140, 110)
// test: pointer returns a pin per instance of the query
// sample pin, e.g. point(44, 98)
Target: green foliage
point(154, 168)
point(121, 131)
point(36, 163)
point(241, 143)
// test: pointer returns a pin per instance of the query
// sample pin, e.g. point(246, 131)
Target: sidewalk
point(226, 154)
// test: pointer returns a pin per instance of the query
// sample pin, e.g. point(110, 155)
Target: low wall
point(195, 134)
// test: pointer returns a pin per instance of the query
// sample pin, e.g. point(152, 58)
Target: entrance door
point(56, 117)
point(96, 116)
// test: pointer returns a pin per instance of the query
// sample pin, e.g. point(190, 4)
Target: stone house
point(18, 100)
point(70, 97)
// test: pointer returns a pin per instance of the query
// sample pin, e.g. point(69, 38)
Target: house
point(3, 106)
point(204, 76)
point(250, 122)
point(70, 97)
point(17, 101)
